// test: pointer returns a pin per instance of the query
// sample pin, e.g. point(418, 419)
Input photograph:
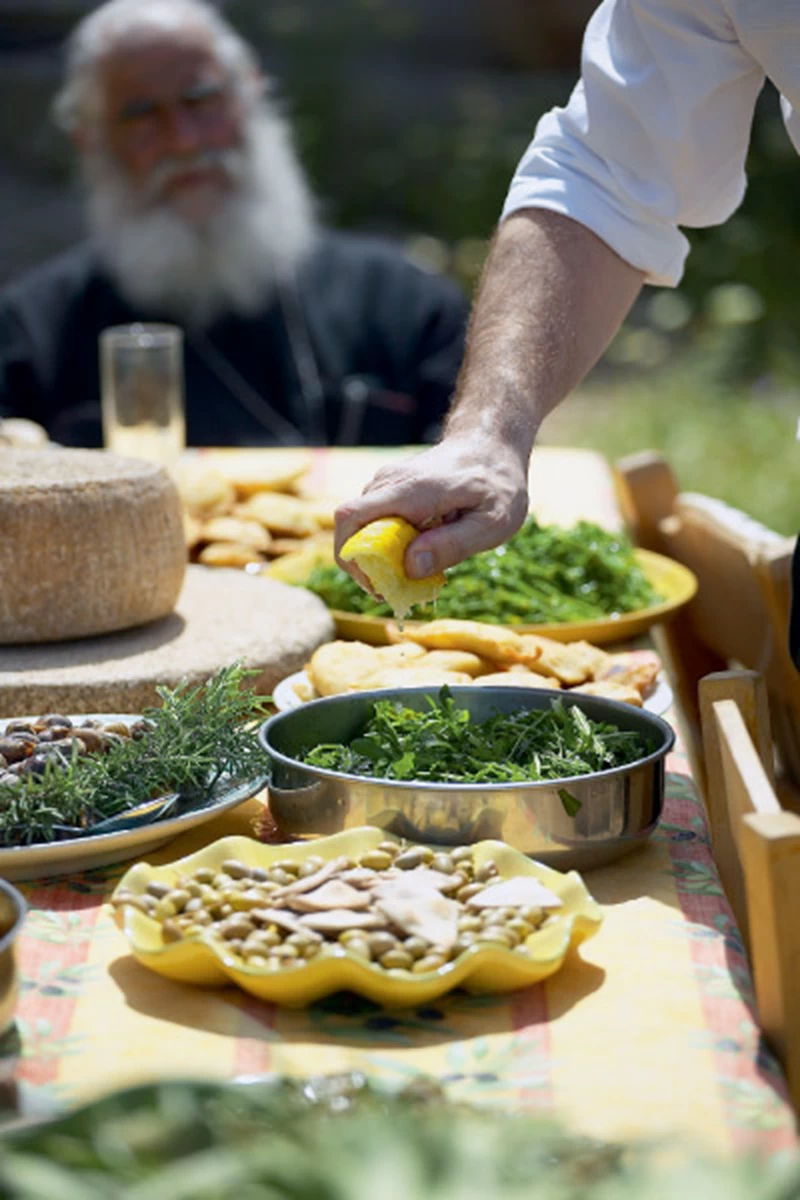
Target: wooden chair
point(740, 615)
point(756, 844)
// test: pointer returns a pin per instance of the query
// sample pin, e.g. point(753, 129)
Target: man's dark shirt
point(383, 337)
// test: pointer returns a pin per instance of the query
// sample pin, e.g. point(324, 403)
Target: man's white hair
point(114, 23)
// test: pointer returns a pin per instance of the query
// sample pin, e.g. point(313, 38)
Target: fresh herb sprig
point(198, 736)
point(443, 745)
point(542, 575)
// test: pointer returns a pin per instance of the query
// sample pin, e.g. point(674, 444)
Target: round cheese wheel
point(89, 543)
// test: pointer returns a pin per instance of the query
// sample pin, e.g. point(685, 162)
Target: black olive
point(14, 749)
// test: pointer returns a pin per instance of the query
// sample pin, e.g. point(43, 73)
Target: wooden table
point(648, 1031)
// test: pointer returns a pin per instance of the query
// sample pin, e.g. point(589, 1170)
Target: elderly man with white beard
point(200, 215)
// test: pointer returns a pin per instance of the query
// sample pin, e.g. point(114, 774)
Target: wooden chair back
point(740, 614)
point(756, 845)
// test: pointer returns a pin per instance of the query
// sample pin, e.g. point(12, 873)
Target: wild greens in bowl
point(574, 781)
point(443, 744)
point(543, 575)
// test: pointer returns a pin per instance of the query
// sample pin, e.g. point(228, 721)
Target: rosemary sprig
point(198, 737)
point(442, 745)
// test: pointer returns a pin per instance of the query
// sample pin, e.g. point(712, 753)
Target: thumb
point(450, 543)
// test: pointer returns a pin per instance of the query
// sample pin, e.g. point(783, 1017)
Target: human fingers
point(459, 538)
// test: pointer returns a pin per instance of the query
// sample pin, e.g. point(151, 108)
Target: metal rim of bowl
point(20, 910)
point(652, 719)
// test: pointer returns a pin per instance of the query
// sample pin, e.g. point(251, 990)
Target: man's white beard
point(193, 273)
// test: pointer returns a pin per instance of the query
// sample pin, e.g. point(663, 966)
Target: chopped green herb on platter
point(199, 736)
point(543, 575)
point(443, 745)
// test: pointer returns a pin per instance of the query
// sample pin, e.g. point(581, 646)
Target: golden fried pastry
point(228, 554)
point(494, 642)
point(339, 666)
point(412, 676)
point(455, 660)
point(514, 678)
point(638, 670)
point(280, 514)
point(400, 654)
point(261, 470)
point(297, 566)
point(204, 491)
point(610, 691)
point(235, 529)
point(569, 662)
point(192, 530)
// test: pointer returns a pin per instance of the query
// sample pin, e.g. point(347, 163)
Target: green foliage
point(441, 744)
point(342, 1139)
point(737, 444)
point(197, 737)
point(543, 574)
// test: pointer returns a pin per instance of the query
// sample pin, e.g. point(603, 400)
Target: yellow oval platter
point(672, 580)
point(481, 969)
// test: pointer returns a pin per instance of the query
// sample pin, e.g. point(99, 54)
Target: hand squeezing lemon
point(378, 550)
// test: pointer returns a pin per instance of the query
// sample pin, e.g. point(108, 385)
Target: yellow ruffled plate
point(203, 960)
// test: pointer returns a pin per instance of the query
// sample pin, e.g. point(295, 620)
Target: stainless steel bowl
point(616, 810)
point(12, 913)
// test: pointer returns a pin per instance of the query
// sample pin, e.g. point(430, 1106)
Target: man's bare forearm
point(552, 297)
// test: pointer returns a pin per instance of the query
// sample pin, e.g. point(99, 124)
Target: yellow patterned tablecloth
point(648, 1030)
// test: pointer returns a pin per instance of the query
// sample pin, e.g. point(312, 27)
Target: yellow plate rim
point(658, 567)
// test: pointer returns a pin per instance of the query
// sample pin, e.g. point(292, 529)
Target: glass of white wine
point(141, 377)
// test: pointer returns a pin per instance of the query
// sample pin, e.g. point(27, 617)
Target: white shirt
point(656, 132)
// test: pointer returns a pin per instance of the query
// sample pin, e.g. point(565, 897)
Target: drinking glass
point(141, 375)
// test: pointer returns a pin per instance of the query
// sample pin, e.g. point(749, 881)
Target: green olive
point(471, 889)
point(407, 860)
point(469, 924)
point(399, 959)
point(377, 860)
point(381, 943)
point(236, 869)
point(417, 947)
point(244, 901)
point(288, 865)
point(431, 962)
point(359, 946)
point(485, 871)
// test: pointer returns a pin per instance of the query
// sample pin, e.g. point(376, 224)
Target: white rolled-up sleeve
point(654, 136)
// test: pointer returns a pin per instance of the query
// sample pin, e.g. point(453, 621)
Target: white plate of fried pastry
point(471, 652)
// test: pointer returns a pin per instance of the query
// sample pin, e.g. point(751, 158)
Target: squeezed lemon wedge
point(379, 551)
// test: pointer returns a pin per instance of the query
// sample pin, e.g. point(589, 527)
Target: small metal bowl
point(12, 913)
point(613, 811)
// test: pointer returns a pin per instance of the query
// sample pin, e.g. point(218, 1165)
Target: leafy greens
point(443, 745)
point(542, 575)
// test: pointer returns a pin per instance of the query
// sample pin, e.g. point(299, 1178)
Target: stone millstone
point(90, 543)
point(221, 615)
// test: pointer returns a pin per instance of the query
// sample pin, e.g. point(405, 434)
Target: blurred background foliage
point(410, 119)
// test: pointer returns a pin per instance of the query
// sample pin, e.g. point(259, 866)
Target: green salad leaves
point(542, 575)
point(441, 744)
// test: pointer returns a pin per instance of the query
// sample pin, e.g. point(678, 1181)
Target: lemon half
point(379, 551)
